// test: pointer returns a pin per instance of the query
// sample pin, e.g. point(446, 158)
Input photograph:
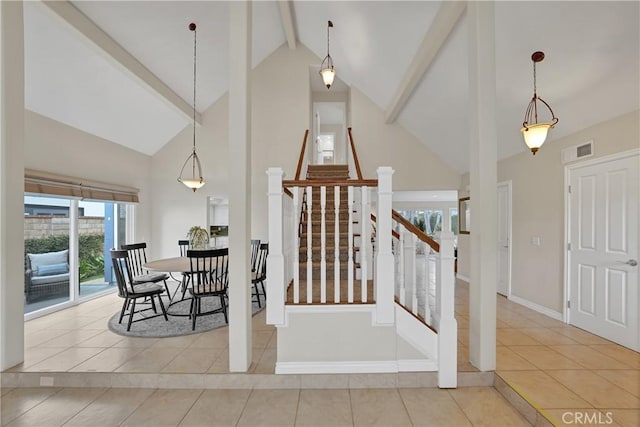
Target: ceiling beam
point(437, 34)
point(118, 56)
point(286, 17)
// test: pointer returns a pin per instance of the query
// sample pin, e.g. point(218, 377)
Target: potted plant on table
point(198, 237)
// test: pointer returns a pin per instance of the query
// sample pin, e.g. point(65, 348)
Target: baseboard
point(418, 365)
point(536, 307)
point(463, 278)
point(351, 367)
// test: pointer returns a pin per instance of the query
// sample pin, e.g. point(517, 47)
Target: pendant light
point(534, 132)
point(326, 69)
point(194, 181)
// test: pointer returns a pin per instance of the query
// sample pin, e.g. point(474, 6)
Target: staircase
point(310, 238)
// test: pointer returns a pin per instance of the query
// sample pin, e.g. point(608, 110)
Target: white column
point(483, 157)
point(11, 184)
point(385, 310)
point(239, 186)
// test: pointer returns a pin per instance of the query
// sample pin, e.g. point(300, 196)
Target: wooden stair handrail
point(415, 230)
point(330, 183)
point(355, 155)
point(394, 233)
point(302, 151)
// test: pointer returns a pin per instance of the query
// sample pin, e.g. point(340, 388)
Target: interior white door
point(603, 238)
point(504, 238)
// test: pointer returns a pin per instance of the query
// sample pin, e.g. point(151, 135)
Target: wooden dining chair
point(137, 258)
point(209, 279)
point(183, 246)
point(122, 266)
point(255, 246)
point(260, 274)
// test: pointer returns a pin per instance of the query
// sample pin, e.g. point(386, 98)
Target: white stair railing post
point(385, 310)
point(365, 241)
point(445, 303)
point(276, 280)
point(336, 253)
point(350, 262)
point(402, 267)
point(309, 246)
point(323, 245)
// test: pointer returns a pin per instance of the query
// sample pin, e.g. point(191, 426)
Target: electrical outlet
point(46, 381)
point(535, 241)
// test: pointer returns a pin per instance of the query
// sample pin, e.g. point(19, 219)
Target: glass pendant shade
point(328, 74)
point(535, 135)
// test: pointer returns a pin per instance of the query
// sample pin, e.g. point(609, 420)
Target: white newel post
point(385, 313)
point(275, 261)
point(447, 324)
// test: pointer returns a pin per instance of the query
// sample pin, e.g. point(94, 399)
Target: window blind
point(78, 188)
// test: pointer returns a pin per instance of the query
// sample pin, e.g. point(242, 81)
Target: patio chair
point(209, 279)
point(131, 293)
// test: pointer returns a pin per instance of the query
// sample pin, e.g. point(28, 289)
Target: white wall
point(538, 208)
point(54, 147)
point(281, 108)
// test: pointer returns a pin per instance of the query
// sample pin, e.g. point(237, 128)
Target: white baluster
point(414, 281)
point(276, 286)
point(309, 248)
point(365, 241)
point(323, 245)
point(350, 256)
point(336, 262)
point(296, 245)
point(402, 266)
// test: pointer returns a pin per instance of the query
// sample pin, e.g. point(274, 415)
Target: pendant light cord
point(194, 86)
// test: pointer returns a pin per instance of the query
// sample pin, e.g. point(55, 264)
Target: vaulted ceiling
point(122, 70)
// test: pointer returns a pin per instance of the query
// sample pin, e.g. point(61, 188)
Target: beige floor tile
point(626, 417)
point(181, 342)
point(547, 337)
point(261, 339)
point(74, 322)
point(463, 336)
point(507, 360)
point(136, 342)
point(36, 355)
point(40, 336)
point(267, 362)
point(599, 393)
point(111, 408)
point(65, 360)
point(221, 364)
point(163, 408)
point(59, 408)
point(102, 339)
point(192, 360)
point(545, 358)
point(70, 339)
point(20, 400)
point(626, 379)
point(433, 407)
point(514, 337)
point(582, 337)
point(378, 407)
point(543, 390)
point(621, 354)
point(484, 406)
point(216, 408)
point(215, 339)
point(589, 358)
point(108, 360)
point(270, 408)
point(581, 417)
point(150, 360)
point(324, 408)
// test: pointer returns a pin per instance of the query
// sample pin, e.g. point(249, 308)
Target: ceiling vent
point(577, 152)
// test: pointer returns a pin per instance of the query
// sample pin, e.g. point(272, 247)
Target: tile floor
point(573, 377)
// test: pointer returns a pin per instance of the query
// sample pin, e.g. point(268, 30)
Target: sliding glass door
point(67, 243)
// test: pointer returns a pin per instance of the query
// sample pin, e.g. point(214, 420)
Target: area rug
point(178, 323)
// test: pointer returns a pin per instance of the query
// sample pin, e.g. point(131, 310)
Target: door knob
point(631, 262)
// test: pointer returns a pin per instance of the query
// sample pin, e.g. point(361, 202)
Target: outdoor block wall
point(38, 226)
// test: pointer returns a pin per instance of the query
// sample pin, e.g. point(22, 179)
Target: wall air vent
point(577, 152)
